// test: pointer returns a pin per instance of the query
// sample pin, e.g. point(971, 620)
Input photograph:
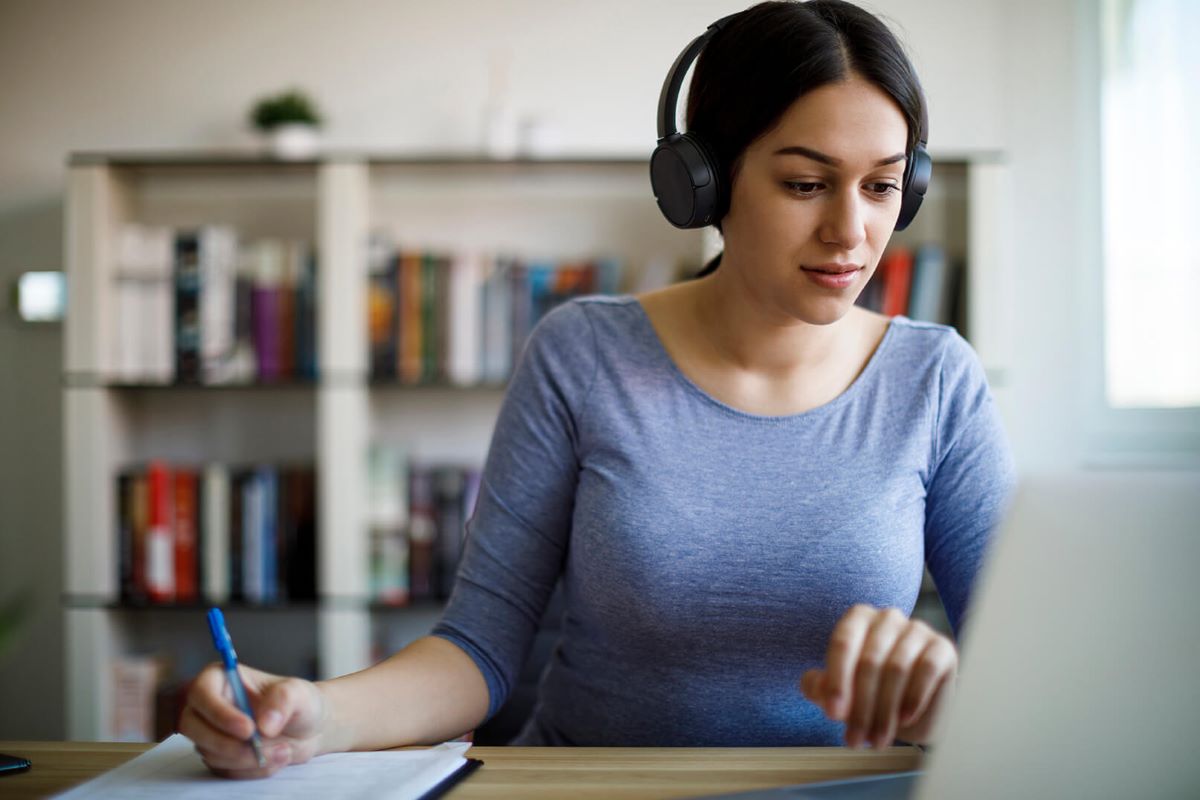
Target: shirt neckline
point(846, 396)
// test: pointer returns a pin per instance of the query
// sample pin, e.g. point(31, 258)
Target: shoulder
point(565, 342)
point(581, 322)
point(935, 347)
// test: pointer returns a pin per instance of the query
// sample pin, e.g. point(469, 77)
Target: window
point(1150, 186)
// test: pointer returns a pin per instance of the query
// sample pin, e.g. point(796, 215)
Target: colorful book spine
point(383, 327)
point(187, 307)
point(411, 317)
point(897, 266)
point(185, 514)
point(160, 546)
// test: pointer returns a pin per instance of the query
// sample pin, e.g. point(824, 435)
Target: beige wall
point(402, 75)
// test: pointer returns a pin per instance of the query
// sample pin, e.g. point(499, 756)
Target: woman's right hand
point(290, 714)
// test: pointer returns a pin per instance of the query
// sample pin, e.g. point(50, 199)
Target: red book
point(160, 549)
point(186, 588)
point(897, 269)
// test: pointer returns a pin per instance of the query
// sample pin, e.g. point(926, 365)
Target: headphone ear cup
point(686, 181)
point(916, 182)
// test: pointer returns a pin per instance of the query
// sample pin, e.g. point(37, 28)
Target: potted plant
point(290, 121)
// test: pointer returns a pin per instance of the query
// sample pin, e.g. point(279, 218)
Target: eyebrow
point(808, 152)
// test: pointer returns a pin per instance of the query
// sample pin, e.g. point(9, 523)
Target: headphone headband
point(668, 99)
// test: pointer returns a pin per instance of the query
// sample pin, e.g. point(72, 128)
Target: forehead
point(853, 120)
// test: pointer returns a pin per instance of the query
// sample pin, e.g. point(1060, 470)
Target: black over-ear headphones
point(686, 176)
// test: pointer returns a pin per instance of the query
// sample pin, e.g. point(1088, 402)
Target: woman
point(739, 478)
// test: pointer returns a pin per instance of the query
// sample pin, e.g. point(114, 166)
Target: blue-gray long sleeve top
point(707, 553)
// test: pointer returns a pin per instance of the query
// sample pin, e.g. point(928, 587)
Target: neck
point(754, 335)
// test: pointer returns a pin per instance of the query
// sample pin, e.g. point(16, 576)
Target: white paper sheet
point(173, 769)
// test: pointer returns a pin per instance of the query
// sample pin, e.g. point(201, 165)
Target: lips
point(832, 269)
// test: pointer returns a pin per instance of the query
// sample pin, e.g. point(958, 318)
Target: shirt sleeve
point(516, 539)
point(972, 480)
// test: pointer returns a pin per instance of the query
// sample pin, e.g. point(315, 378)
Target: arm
point(448, 683)
point(889, 676)
point(388, 705)
point(971, 482)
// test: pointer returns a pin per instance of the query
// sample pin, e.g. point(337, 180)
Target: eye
point(802, 188)
point(882, 189)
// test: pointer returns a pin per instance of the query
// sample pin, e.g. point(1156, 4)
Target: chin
point(822, 313)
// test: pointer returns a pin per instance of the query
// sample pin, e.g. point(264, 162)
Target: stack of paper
point(174, 769)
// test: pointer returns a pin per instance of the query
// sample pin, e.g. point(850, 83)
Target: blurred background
point(271, 377)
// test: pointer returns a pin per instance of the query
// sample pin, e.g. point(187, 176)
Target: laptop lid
point(1080, 668)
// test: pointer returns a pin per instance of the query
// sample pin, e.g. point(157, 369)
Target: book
point(265, 304)
point(218, 246)
point(448, 487)
point(896, 266)
point(411, 320)
point(185, 514)
point(160, 545)
point(135, 681)
point(188, 290)
point(383, 326)
point(215, 523)
point(930, 297)
point(306, 317)
point(422, 533)
point(465, 290)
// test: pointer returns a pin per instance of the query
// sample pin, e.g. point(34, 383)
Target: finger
point(938, 660)
point(207, 697)
point(220, 751)
point(897, 673)
point(277, 759)
point(279, 704)
point(880, 639)
point(844, 647)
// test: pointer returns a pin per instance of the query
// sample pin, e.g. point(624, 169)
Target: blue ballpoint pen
point(216, 624)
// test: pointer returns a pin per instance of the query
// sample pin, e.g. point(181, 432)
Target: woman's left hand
point(886, 676)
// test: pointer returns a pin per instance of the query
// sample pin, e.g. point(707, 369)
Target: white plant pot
point(294, 141)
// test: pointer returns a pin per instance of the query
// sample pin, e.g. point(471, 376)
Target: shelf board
point(260, 159)
point(108, 604)
point(257, 158)
point(392, 384)
point(80, 382)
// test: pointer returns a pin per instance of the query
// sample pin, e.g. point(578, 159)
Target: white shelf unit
point(567, 208)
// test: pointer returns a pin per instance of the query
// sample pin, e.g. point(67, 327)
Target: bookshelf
point(569, 208)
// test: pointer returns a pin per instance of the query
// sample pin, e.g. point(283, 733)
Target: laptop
point(1079, 673)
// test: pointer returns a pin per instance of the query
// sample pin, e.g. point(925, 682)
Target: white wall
point(404, 75)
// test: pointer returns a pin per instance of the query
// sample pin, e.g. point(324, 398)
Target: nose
point(843, 223)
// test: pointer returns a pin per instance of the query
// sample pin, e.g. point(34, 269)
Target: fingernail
point(282, 754)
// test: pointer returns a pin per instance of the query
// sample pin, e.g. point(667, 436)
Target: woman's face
point(821, 189)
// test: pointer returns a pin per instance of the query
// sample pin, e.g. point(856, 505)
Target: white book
point(465, 362)
point(158, 337)
point(218, 273)
point(216, 533)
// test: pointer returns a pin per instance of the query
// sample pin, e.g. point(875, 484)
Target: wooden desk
point(536, 773)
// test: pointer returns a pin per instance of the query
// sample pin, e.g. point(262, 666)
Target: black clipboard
point(453, 779)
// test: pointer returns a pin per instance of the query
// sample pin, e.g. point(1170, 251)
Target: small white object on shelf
point(294, 141)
